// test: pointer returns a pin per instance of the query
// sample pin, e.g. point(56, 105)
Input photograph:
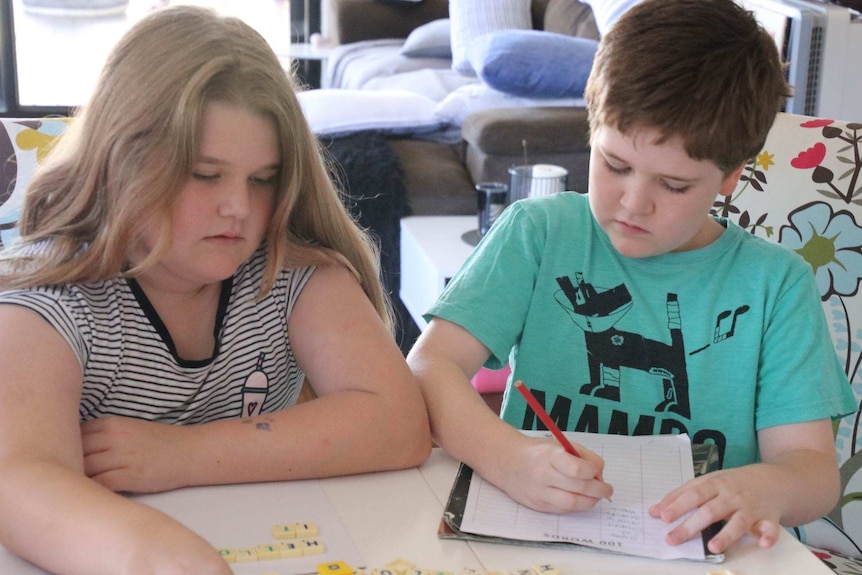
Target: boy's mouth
point(630, 228)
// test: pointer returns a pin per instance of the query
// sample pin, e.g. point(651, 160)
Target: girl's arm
point(46, 502)
point(369, 414)
point(536, 472)
point(797, 482)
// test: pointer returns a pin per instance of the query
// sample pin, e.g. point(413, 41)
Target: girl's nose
point(235, 200)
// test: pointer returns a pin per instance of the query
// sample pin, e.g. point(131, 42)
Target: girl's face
point(653, 198)
point(223, 210)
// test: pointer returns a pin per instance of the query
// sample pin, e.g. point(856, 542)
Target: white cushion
point(606, 12)
point(470, 19)
point(431, 40)
point(338, 112)
point(474, 97)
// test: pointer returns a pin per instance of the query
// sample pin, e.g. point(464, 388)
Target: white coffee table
point(432, 250)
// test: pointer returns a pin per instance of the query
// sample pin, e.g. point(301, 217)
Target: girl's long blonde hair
point(132, 147)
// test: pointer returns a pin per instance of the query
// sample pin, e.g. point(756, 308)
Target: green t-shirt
point(717, 342)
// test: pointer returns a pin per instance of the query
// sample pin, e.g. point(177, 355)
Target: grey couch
point(440, 176)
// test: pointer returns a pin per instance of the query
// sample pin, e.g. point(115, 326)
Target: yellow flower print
point(764, 160)
point(43, 138)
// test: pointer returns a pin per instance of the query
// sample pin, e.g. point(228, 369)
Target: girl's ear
point(728, 183)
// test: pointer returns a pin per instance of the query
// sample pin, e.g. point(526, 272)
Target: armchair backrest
point(23, 144)
point(804, 190)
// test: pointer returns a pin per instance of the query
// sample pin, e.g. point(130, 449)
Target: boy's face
point(653, 198)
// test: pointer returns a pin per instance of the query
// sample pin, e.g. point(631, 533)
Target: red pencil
point(546, 419)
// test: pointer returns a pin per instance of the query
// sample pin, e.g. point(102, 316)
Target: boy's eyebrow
point(611, 155)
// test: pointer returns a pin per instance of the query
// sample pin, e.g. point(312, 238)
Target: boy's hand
point(741, 496)
point(540, 474)
point(796, 482)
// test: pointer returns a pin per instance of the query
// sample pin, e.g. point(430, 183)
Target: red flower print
point(810, 158)
point(819, 122)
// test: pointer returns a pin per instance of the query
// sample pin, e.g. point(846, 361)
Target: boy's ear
point(728, 183)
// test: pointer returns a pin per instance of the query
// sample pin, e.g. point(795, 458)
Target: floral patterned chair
point(23, 143)
point(804, 190)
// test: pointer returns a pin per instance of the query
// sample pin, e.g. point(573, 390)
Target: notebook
point(642, 470)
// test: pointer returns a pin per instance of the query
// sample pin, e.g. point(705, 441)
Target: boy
point(632, 311)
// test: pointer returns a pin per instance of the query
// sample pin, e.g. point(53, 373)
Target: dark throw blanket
point(370, 173)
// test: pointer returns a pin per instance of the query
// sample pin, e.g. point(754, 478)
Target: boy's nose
point(637, 198)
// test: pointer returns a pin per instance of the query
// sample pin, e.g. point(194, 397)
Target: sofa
point(472, 142)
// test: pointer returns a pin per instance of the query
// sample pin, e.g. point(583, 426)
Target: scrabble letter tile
point(400, 566)
point(228, 554)
point(334, 568)
point(288, 549)
point(268, 552)
point(310, 546)
point(282, 531)
point(246, 554)
point(307, 529)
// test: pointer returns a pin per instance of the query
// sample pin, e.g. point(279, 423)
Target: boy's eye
point(677, 189)
point(616, 169)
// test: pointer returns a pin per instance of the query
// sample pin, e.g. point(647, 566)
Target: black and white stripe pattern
point(130, 367)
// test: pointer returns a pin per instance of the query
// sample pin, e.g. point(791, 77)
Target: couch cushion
point(466, 100)
point(534, 64)
point(571, 18)
point(431, 40)
point(341, 112)
point(437, 180)
point(473, 18)
point(606, 12)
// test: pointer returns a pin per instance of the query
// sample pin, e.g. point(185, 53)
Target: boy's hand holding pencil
point(552, 479)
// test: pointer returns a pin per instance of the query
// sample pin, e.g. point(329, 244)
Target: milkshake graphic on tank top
point(254, 389)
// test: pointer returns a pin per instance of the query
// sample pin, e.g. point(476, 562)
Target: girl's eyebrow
point(218, 162)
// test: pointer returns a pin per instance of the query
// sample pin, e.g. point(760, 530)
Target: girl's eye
point(204, 177)
point(267, 181)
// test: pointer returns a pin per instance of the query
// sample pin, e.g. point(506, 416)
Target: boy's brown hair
point(704, 70)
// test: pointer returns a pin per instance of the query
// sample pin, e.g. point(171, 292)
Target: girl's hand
point(174, 550)
point(540, 474)
point(743, 497)
point(127, 454)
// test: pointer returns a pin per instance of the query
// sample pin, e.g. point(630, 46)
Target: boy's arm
point(796, 482)
point(46, 502)
point(536, 472)
point(369, 414)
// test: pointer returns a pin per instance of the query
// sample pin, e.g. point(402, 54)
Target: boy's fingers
point(767, 533)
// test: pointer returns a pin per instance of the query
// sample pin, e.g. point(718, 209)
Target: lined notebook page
point(642, 470)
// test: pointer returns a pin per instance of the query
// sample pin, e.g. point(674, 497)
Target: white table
point(395, 515)
point(431, 252)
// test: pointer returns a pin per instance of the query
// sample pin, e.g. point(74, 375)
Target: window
point(52, 50)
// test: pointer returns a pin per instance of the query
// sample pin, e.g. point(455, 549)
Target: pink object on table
point(491, 380)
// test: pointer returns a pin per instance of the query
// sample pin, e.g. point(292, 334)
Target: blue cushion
point(533, 63)
point(471, 19)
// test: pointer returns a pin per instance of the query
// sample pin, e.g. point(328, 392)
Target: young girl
point(185, 259)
